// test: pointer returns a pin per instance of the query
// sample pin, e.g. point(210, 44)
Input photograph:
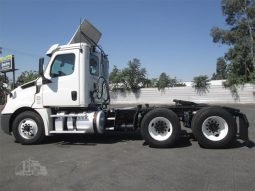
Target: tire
point(28, 128)
point(214, 127)
point(160, 128)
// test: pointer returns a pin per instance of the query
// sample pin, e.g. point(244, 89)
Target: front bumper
point(5, 123)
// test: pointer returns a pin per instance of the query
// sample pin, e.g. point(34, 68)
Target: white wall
point(214, 94)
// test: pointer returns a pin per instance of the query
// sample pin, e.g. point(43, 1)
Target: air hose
point(102, 86)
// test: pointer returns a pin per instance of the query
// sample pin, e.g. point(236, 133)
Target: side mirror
point(41, 72)
point(41, 62)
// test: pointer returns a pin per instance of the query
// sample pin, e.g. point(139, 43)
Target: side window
point(94, 66)
point(105, 68)
point(62, 65)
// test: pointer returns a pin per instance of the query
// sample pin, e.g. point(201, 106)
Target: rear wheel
point(214, 127)
point(160, 128)
point(28, 128)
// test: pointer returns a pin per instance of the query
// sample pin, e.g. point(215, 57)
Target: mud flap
point(243, 128)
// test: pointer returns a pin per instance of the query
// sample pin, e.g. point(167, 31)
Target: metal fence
point(214, 94)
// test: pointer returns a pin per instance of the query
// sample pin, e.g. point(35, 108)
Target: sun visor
point(86, 33)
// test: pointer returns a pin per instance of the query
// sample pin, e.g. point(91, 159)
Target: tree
point(240, 34)
point(179, 84)
point(115, 78)
point(173, 82)
point(3, 80)
point(201, 84)
point(163, 81)
point(27, 76)
point(134, 77)
point(153, 83)
point(221, 69)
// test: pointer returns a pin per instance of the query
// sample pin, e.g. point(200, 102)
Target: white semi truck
point(72, 96)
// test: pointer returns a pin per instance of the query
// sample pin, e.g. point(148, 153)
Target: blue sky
point(171, 36)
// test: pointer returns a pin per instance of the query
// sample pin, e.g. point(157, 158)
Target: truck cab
point(73, 71)
point(74, 84)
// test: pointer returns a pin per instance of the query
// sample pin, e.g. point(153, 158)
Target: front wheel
point(28, 128)
point(214, 127)
point(160, 128)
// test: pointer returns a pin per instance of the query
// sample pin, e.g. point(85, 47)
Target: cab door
point(63, 86)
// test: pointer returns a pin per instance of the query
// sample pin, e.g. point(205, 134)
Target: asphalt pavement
point(123, 161)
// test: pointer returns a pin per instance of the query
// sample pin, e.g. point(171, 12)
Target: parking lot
point(124, 162)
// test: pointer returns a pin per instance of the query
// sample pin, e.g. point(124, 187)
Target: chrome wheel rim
point(215, 128)
point(28, 128)
point(160, 128)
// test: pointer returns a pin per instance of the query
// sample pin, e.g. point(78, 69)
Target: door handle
point(74, 95)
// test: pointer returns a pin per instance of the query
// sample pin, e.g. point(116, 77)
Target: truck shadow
point(238, 144)
point(107, 138)
point(185, 140)
point(92, 139)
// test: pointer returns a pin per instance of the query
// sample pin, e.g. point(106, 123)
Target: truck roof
point(56, 47)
